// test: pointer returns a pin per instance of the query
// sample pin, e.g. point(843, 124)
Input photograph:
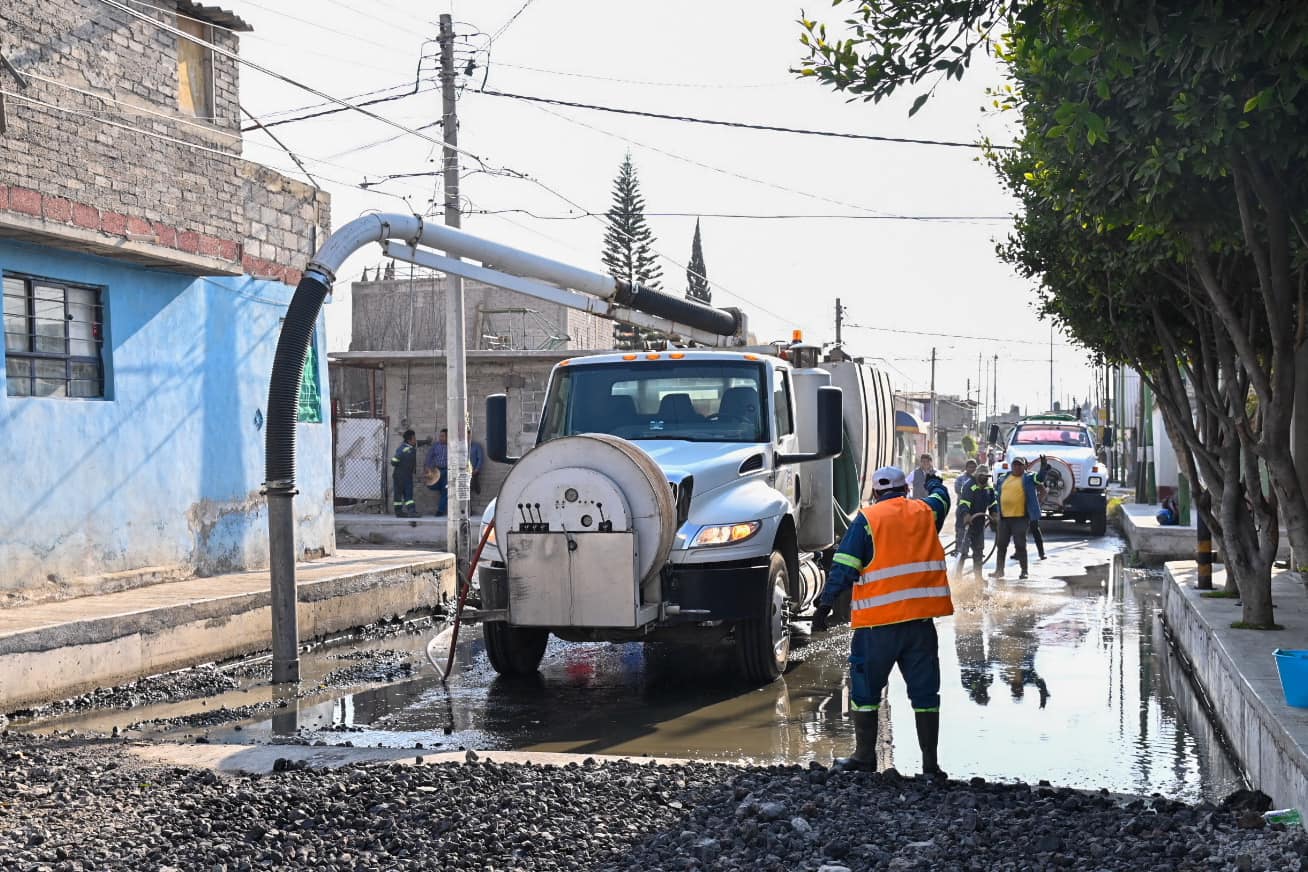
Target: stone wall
point(99, 153)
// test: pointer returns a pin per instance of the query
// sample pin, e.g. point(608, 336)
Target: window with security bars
point(54, 334)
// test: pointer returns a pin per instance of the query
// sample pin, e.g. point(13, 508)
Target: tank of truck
point(869, 412)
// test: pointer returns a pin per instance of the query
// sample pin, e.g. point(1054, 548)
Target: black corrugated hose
point(284, 386)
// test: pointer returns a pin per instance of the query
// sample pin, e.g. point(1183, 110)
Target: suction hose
point(279, 468)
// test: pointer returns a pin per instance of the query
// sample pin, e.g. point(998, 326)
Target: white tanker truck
point(679, 495)
point(686, 496)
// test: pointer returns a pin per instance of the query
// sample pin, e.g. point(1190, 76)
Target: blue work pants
point(913, 646)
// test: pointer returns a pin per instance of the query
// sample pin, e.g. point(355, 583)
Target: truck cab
point(726, 455)
point(1077, 484)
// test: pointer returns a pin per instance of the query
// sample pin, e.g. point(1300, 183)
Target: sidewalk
point(1153, 543)
point(1150, 541)
point(1238, 674)
point(55, 650)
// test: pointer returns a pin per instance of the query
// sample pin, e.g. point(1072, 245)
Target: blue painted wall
point(166, 471)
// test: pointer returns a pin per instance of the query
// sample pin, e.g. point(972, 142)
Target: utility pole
point(459, 485)
point(840, 318)
point(994, 384)
point(1051, 367)
point(935, 407)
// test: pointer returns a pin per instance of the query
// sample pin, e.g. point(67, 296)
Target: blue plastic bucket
point(1293, 668)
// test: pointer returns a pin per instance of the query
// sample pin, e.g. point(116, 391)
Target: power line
point(958, 336)
point(646, 82)
point(506, 25)
point(693, 162)
point(373, 102)
point(287, 79)
point(755, 216)
point(772, 128)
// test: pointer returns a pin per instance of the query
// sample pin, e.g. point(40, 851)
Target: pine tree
point(697, 286)
point(629, 249)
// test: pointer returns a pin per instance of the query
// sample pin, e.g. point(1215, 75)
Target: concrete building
point(146, 267)
point(513, 342)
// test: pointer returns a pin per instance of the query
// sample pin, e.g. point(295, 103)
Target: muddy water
point(1056, 678)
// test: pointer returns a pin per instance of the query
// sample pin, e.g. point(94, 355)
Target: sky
point(729, 60)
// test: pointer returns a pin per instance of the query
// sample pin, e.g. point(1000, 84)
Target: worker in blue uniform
point(403, 464)
point(892, 557)
point(974, 503)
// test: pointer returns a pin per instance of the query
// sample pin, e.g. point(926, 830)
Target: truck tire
point(1099, 522)
point(514, 651)
point(763, 643)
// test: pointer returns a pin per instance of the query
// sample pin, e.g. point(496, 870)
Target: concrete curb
point(61, 649)
point(1238, 674)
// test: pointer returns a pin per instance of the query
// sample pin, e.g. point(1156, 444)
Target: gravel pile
point(69, 807)
point(366, 667)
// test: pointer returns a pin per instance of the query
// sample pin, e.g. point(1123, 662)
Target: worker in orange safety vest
point(893, 558)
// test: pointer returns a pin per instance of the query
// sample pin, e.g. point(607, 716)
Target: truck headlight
point(1095, 481)
point(725, 534)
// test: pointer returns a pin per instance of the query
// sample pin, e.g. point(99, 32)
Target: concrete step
point(56, 650)
point(385, 530)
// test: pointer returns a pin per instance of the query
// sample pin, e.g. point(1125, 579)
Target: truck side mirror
point(994, 434)
point(831, 428)
point(497, 429)
point(831, 421)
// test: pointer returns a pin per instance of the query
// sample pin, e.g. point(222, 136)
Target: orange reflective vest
point(906, 579)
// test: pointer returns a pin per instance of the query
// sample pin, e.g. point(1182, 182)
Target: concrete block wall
point(523, 378)
point(74, 166)
point(401, 314)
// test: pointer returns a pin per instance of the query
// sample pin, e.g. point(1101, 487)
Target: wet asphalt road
point(1052, 678)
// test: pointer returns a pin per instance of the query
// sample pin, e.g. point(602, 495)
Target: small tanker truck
point(684, 496)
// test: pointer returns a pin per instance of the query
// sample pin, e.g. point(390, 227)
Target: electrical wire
point(506, 25)
point(693, 162)
point(771, 128)
point(760, 217)
point(373, 102)
point(284, 148)
point(958, 336)
point(258, 37)
point(194, 145)
point(159, 25)
point(647, 83)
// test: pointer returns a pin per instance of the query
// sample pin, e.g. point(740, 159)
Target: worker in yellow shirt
point(1019, 505)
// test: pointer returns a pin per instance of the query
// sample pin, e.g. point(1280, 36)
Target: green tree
point(1163, 211)
point(697, 286)
point(629, 249)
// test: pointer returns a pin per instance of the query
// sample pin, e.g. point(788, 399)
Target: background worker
point(438, 460)
point(961, 484)
point(917, 478)
point(403, 463)
point(974, 504)
point(1019, 505)
point(1034, 529)
point(893, 558)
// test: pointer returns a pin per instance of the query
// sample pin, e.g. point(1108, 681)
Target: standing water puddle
point(1059, 678)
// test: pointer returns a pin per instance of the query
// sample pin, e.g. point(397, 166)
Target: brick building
point(513, 341)
point(146, 268)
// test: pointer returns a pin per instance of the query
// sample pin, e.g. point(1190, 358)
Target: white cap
point(888, 478)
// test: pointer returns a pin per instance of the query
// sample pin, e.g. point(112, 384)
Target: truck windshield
point(1051, 435)
point(698, 401)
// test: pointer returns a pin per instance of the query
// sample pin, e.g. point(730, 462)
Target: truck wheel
point(514, 651)
point(764, 643)
point(1099, 522)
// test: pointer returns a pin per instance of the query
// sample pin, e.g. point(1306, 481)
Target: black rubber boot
point(928, 737)
point(864, 758)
